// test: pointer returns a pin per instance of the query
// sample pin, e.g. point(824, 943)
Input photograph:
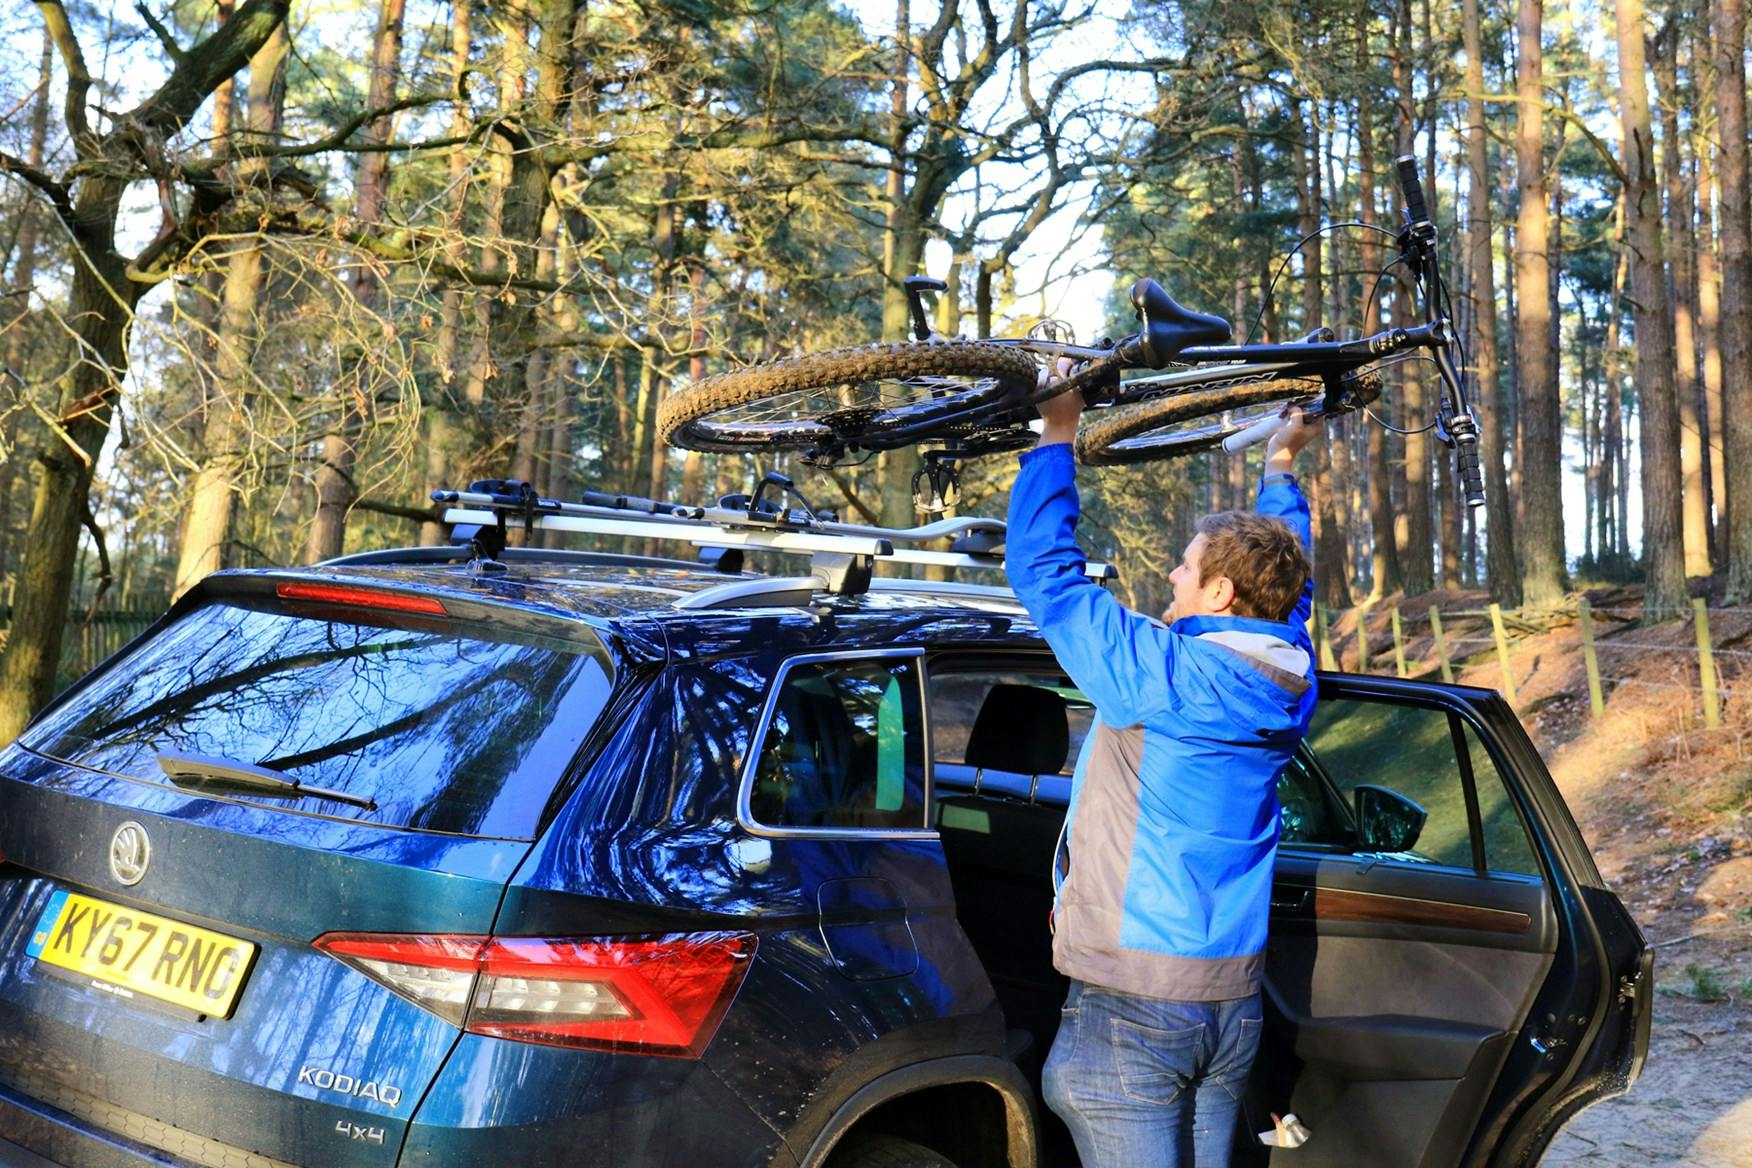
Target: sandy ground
point(1691, 1109)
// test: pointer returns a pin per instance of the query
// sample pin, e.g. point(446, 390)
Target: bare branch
point(338, 139)
point(208, 65)
point(78, 77)
point(57, 194)
point(104, 575)
point(173, 50)
point(1570, 117)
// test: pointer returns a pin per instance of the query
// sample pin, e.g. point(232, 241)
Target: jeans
point(1150, 1083)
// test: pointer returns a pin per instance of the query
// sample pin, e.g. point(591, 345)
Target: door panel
point(1392, 996)
point(1395, 982)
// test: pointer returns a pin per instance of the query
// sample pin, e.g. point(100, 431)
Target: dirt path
point(1692, 1107)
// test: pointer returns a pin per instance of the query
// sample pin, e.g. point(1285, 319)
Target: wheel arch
point(913, 1102)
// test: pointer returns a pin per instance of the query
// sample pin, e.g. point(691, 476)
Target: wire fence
point(1424, 644)
point(89, 638)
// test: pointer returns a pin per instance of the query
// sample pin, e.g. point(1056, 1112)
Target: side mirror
point(1386, 820)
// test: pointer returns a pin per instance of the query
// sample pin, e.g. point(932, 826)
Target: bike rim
point(1201, 433)
point(874, 414)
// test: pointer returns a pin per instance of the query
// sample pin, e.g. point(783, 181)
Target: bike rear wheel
point(874, 397)
point(1188, 423)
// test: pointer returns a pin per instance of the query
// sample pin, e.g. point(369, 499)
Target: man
point(1173, 824)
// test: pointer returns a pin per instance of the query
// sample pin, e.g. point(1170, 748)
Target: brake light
point(655, 995)
point(361, 597)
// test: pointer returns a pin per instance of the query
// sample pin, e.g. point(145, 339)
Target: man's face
point(1193, 597)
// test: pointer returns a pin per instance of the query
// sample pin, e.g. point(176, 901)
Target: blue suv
point(564, 858)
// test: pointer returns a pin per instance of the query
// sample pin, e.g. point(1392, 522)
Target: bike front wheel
point(1189, 423)
point(843, 401)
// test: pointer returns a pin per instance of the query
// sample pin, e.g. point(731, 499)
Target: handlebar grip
point(1416, 210)
point(1471, 475)
point(1258, 432)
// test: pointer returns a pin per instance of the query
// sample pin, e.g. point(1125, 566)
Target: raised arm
point(1280, 495)
point(1104, 647)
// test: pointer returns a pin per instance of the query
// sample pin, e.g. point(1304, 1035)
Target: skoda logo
point(130, 851)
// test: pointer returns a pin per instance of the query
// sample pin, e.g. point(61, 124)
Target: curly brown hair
point(1262, 558)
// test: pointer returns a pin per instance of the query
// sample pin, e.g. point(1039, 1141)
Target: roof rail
point(842, 555)
point(800, 591)
point(452, 553)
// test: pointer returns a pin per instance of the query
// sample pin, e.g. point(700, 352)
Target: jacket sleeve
point(1120, 660)
point(1279, 495)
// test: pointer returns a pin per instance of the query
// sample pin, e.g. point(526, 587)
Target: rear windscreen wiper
point(205, 770)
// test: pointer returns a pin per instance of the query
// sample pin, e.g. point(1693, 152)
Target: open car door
point(1447, 978)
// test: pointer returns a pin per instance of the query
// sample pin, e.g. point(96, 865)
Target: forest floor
point(1666, 806)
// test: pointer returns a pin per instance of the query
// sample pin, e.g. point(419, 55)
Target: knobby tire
point(685, 419)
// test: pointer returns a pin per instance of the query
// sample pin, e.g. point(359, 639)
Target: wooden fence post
point(1441, 644)
point(1398, 643)
point(1502, 646)
point(1324, 627)
point(1595, 698)
point(1362, 611)
point(1712, 710)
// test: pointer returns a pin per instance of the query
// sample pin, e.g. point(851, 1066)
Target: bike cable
point(1291, 254)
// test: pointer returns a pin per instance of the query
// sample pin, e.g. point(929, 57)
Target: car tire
point(888, 1152)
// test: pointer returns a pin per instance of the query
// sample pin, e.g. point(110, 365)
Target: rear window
point(447, 726)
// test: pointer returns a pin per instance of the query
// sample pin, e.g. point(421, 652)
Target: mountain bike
point(972, 398)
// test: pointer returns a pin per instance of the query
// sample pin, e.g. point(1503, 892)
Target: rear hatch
point(282, 766)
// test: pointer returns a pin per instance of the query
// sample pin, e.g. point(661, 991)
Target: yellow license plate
point(134, 952)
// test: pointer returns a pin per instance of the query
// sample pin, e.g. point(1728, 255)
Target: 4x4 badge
point(129, 852)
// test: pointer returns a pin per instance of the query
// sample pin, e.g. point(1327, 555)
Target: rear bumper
point(27, 1126)
point(34, 1134)
point(13, 1156)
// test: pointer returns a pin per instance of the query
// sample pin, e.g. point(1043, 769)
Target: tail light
point(656, 995)
point(361, 597)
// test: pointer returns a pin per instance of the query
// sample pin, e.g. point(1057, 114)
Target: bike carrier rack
point(843, 556)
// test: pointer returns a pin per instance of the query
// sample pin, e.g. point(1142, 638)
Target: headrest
point(1021, 729)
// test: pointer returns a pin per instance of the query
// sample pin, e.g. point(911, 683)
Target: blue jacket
point(1174, 811)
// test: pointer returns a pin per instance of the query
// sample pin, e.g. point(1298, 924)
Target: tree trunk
point(1695, 505)
point(335, 487)
point(1540, 546)
point(443, 434)
point(1414, 530)
point(63, 469)
point(23, 279)
point(1331, 577)
point(1663, 548)
point(1384, 573)
point(653, 371)
point(1736, 327)
point(212, 510)
point(1709, 292)
point(1501, 564)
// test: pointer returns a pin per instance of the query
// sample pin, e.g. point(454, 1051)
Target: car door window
point(843, 747)
point(1402, 758)
point(1311, 813)
point(957, 698)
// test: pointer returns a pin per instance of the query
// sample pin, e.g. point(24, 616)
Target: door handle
point(1289, 900)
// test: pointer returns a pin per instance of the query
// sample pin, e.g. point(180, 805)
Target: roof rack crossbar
point(844, 553)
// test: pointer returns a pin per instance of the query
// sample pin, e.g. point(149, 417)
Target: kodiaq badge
point(130, 851)
point(324, 1079)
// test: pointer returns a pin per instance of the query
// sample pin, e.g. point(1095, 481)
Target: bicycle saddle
point(1169, 328)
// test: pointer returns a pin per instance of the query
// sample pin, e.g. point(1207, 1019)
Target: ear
point(1220, 594)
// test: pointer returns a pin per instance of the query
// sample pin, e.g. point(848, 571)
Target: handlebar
point(1455, 421)
point(1171, 332)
